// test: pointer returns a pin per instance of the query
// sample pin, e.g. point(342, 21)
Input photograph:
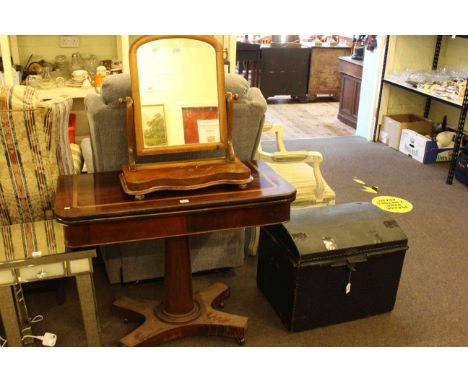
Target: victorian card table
point(95, 211)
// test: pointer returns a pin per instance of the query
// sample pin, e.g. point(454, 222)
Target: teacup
point(33, 80)
point(79, 75)
point(60, 81)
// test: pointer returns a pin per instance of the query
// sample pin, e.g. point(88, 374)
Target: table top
point(351, 60)
point(92, 206)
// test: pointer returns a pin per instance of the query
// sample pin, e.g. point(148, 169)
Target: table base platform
point(155, 331)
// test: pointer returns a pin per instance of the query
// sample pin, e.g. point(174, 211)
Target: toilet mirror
point(179, 106)
point(178, 94)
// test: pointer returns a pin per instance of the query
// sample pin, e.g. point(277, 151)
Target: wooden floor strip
point(306, 120)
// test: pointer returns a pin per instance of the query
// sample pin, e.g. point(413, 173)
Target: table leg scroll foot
point(215, 295)
point(143, 307)
point(212, 322)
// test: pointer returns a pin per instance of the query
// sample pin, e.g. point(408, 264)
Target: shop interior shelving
point(462, 106)
point(421, 92)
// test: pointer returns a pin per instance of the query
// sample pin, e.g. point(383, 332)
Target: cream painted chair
point(299, 168)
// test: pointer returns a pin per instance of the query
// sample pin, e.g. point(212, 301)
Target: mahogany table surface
point(95, 210)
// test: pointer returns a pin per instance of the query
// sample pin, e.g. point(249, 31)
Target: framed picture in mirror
point(201, 124)
point(154, 126)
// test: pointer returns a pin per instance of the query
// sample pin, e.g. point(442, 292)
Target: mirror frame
point(137, 132)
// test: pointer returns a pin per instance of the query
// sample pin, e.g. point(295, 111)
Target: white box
point(423, 149)
point(393, 125)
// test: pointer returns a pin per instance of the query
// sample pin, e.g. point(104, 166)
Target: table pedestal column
point(178, 303)
point(181, 313)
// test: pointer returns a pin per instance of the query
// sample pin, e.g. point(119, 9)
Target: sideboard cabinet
point(284, 71)
point(351, 74)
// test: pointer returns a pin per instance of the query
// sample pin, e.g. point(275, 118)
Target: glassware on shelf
point(47, 82)
point(459, 75)
point(60, 82)
point(62, 66)
point(90, 63)
point(440, 76)
point(400, 76)
point(76, 62)
point(417, 77)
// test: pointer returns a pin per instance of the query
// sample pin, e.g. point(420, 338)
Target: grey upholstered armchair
point(106, 150)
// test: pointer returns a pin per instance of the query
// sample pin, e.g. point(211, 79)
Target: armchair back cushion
point(27, 181)
point(31, 158)
point(108, 124)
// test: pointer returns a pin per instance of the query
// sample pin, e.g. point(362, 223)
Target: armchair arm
point(283, 156)
point(278, 130)
point(291, 156)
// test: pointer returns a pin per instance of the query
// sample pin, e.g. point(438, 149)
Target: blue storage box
point(461, 169)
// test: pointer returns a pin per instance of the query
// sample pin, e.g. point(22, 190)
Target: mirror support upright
point(130, 132)
point(230, 148)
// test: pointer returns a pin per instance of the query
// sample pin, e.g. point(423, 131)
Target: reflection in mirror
point(178, 92)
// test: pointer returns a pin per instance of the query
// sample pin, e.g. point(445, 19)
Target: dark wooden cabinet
point(351, 75)
point(284, 71)
point(248, 57)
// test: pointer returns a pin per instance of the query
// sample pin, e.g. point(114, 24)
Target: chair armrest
point(278, 130)
point(284, 156)
point(312, 157)
point(295, 156)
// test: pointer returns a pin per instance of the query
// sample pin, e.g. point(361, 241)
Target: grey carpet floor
point(432, 301)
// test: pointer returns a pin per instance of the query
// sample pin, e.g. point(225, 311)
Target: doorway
point(300, 78)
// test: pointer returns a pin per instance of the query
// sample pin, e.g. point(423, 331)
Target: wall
point(370, 89)
point(47, 47)
point(454, 54)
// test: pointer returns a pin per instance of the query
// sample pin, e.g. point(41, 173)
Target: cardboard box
point(394, 124)
point(423, 149)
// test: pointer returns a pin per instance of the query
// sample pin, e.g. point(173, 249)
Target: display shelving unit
point(461, 106)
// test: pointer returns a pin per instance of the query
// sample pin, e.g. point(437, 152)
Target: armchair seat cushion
point(19, 241)
point(301, 175)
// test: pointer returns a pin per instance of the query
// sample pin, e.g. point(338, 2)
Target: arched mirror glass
point(179, 100)
point(179, 106)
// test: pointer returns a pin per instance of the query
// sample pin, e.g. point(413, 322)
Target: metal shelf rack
point(463, 107)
